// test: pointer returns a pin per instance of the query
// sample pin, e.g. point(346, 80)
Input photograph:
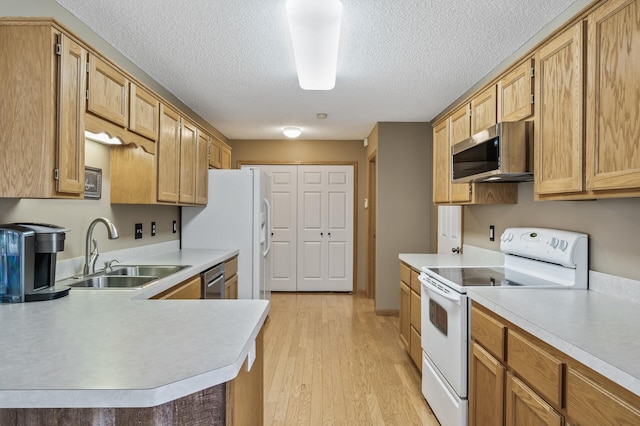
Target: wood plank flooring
point(329, 360)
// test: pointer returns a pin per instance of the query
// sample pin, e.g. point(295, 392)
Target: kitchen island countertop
point(595, 329)
point(114, 348)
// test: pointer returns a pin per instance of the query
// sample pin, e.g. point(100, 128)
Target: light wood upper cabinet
point(215, 154)
point(460, 124)
point(107, 92)
point(202, 168)
point(613, 96)
point(441, 162)
point(188, 152)
point(558, 135)
point(515, 93)
point(43, 83)
point(483, 110)
point(144, 112)
point(168, 155)
point(225, 157)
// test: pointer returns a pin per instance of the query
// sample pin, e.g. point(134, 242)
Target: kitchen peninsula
point(114, 355)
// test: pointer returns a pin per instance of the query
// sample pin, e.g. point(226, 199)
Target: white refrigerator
point(237, 216)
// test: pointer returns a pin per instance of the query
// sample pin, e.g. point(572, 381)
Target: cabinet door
point(107, 92)
point(483, 110)
point(441, 163)
point(202, 168)
point(460, 129)
point(415, 311)
point(525, 407)
point(188, 152)
point(415, 348)
point(168, 153)
point(144, 112)
point(71, 106)
point(405, 311)
point(215, 154)
point(558, 136)
point(231, 288)
point(189, 289)
point(515, 93)
point(225, 157)
point(486, 388)
point(613, 96)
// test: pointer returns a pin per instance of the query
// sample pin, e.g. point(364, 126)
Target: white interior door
point(449, 229)
point(325, 228)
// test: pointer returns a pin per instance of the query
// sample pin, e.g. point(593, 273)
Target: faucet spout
point(90, 256)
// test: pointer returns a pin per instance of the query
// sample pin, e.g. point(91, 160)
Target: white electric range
point(534, 257)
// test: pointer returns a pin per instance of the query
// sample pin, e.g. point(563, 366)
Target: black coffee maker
point(28, 262)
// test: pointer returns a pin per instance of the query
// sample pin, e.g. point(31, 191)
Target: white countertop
point(472, 256)
point(110, 348)
point(596, 329)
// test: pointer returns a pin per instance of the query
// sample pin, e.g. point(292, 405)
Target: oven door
point(445, 336)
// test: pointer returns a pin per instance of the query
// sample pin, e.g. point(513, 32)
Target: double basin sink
point(126, 276)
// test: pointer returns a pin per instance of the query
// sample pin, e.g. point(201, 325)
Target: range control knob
point(553, 242)
point(563, 245)
point(510, 237)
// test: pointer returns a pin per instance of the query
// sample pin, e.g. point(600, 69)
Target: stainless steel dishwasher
point(213, 283)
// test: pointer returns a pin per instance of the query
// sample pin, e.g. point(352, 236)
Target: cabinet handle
point(329, 233)
point(322, 234)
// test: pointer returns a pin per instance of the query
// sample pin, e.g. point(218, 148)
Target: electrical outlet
point(175, 227)
point(153, 229)
point(138, 233)
point(492, 233)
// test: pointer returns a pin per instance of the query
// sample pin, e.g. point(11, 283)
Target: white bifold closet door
point(313, 223)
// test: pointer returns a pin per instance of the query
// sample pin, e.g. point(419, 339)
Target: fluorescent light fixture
point(315, 33)
point(292, 132)
point(102, 138)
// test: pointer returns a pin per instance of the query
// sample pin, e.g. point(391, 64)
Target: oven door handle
point(424, 279)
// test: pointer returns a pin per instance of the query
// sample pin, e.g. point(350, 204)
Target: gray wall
point(612, 225)
point(406, 213)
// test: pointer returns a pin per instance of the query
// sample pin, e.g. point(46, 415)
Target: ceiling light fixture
point(102, 138)
point(292, 132)
point(315, 32)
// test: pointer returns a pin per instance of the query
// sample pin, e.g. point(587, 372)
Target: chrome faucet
point(91, 255)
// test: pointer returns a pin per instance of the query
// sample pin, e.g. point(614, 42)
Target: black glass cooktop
point(488, 277)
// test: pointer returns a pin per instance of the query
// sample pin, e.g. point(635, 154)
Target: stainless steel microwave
point(501, 153)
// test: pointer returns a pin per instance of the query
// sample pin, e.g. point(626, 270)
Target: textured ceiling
point(232, 61)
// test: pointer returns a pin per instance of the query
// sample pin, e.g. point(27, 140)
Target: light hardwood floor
point(329, 360)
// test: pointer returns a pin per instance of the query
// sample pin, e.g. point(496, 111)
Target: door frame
point(241, 163)
point(372, 190)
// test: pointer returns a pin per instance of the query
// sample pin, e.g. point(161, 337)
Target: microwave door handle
point(433, 288)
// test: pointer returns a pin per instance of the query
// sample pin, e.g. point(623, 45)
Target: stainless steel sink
point(113, 281)
point(158, 271)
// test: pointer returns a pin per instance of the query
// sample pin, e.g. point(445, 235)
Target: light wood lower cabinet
point(188, 289)
point(535, 384)
point(245, 393)
point(231, 278)
point(410, 311)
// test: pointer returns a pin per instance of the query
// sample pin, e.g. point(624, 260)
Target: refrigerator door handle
point(267, 206)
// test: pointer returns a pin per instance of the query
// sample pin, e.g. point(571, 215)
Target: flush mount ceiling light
point(315, 31)
point(292, 132)
point(102, 138)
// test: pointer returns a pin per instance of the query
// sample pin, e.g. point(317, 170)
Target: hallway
point(330, 360)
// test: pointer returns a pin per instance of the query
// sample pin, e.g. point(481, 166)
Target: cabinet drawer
point(415, 311)
point(230, 268)
point(588, 403)
point(488, 331)
point(416, 348)
point(415, 282)
point(188, 289)
point(536, 366)
point(405, 274)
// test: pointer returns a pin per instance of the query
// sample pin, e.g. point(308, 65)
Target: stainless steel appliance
point(534, 257)
point(213, 283)
point(503, 152)
point(28, 262)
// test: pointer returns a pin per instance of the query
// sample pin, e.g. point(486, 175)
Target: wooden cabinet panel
point(613, 96)
point(489, 332)
point(225, 157)
point(515, 93)
point(415, 349)
point(188, 289)
point(202, 168)
point(460, 124)
point(589, 403)
point(144, 112)
point(525, 407)
point(483, 110)
point(541, 370)
point(415, 281)
point(71, 103)
point(486, 388)
point(230, 267)
point(245, 393)
point(168, 153)
point(405, 318)
point(107, 92)
point(188, 151)
point(405, 273)
point(215, 154)
point(441, 162)
point(415, 312)
point(231, 288)
point(558, 135)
